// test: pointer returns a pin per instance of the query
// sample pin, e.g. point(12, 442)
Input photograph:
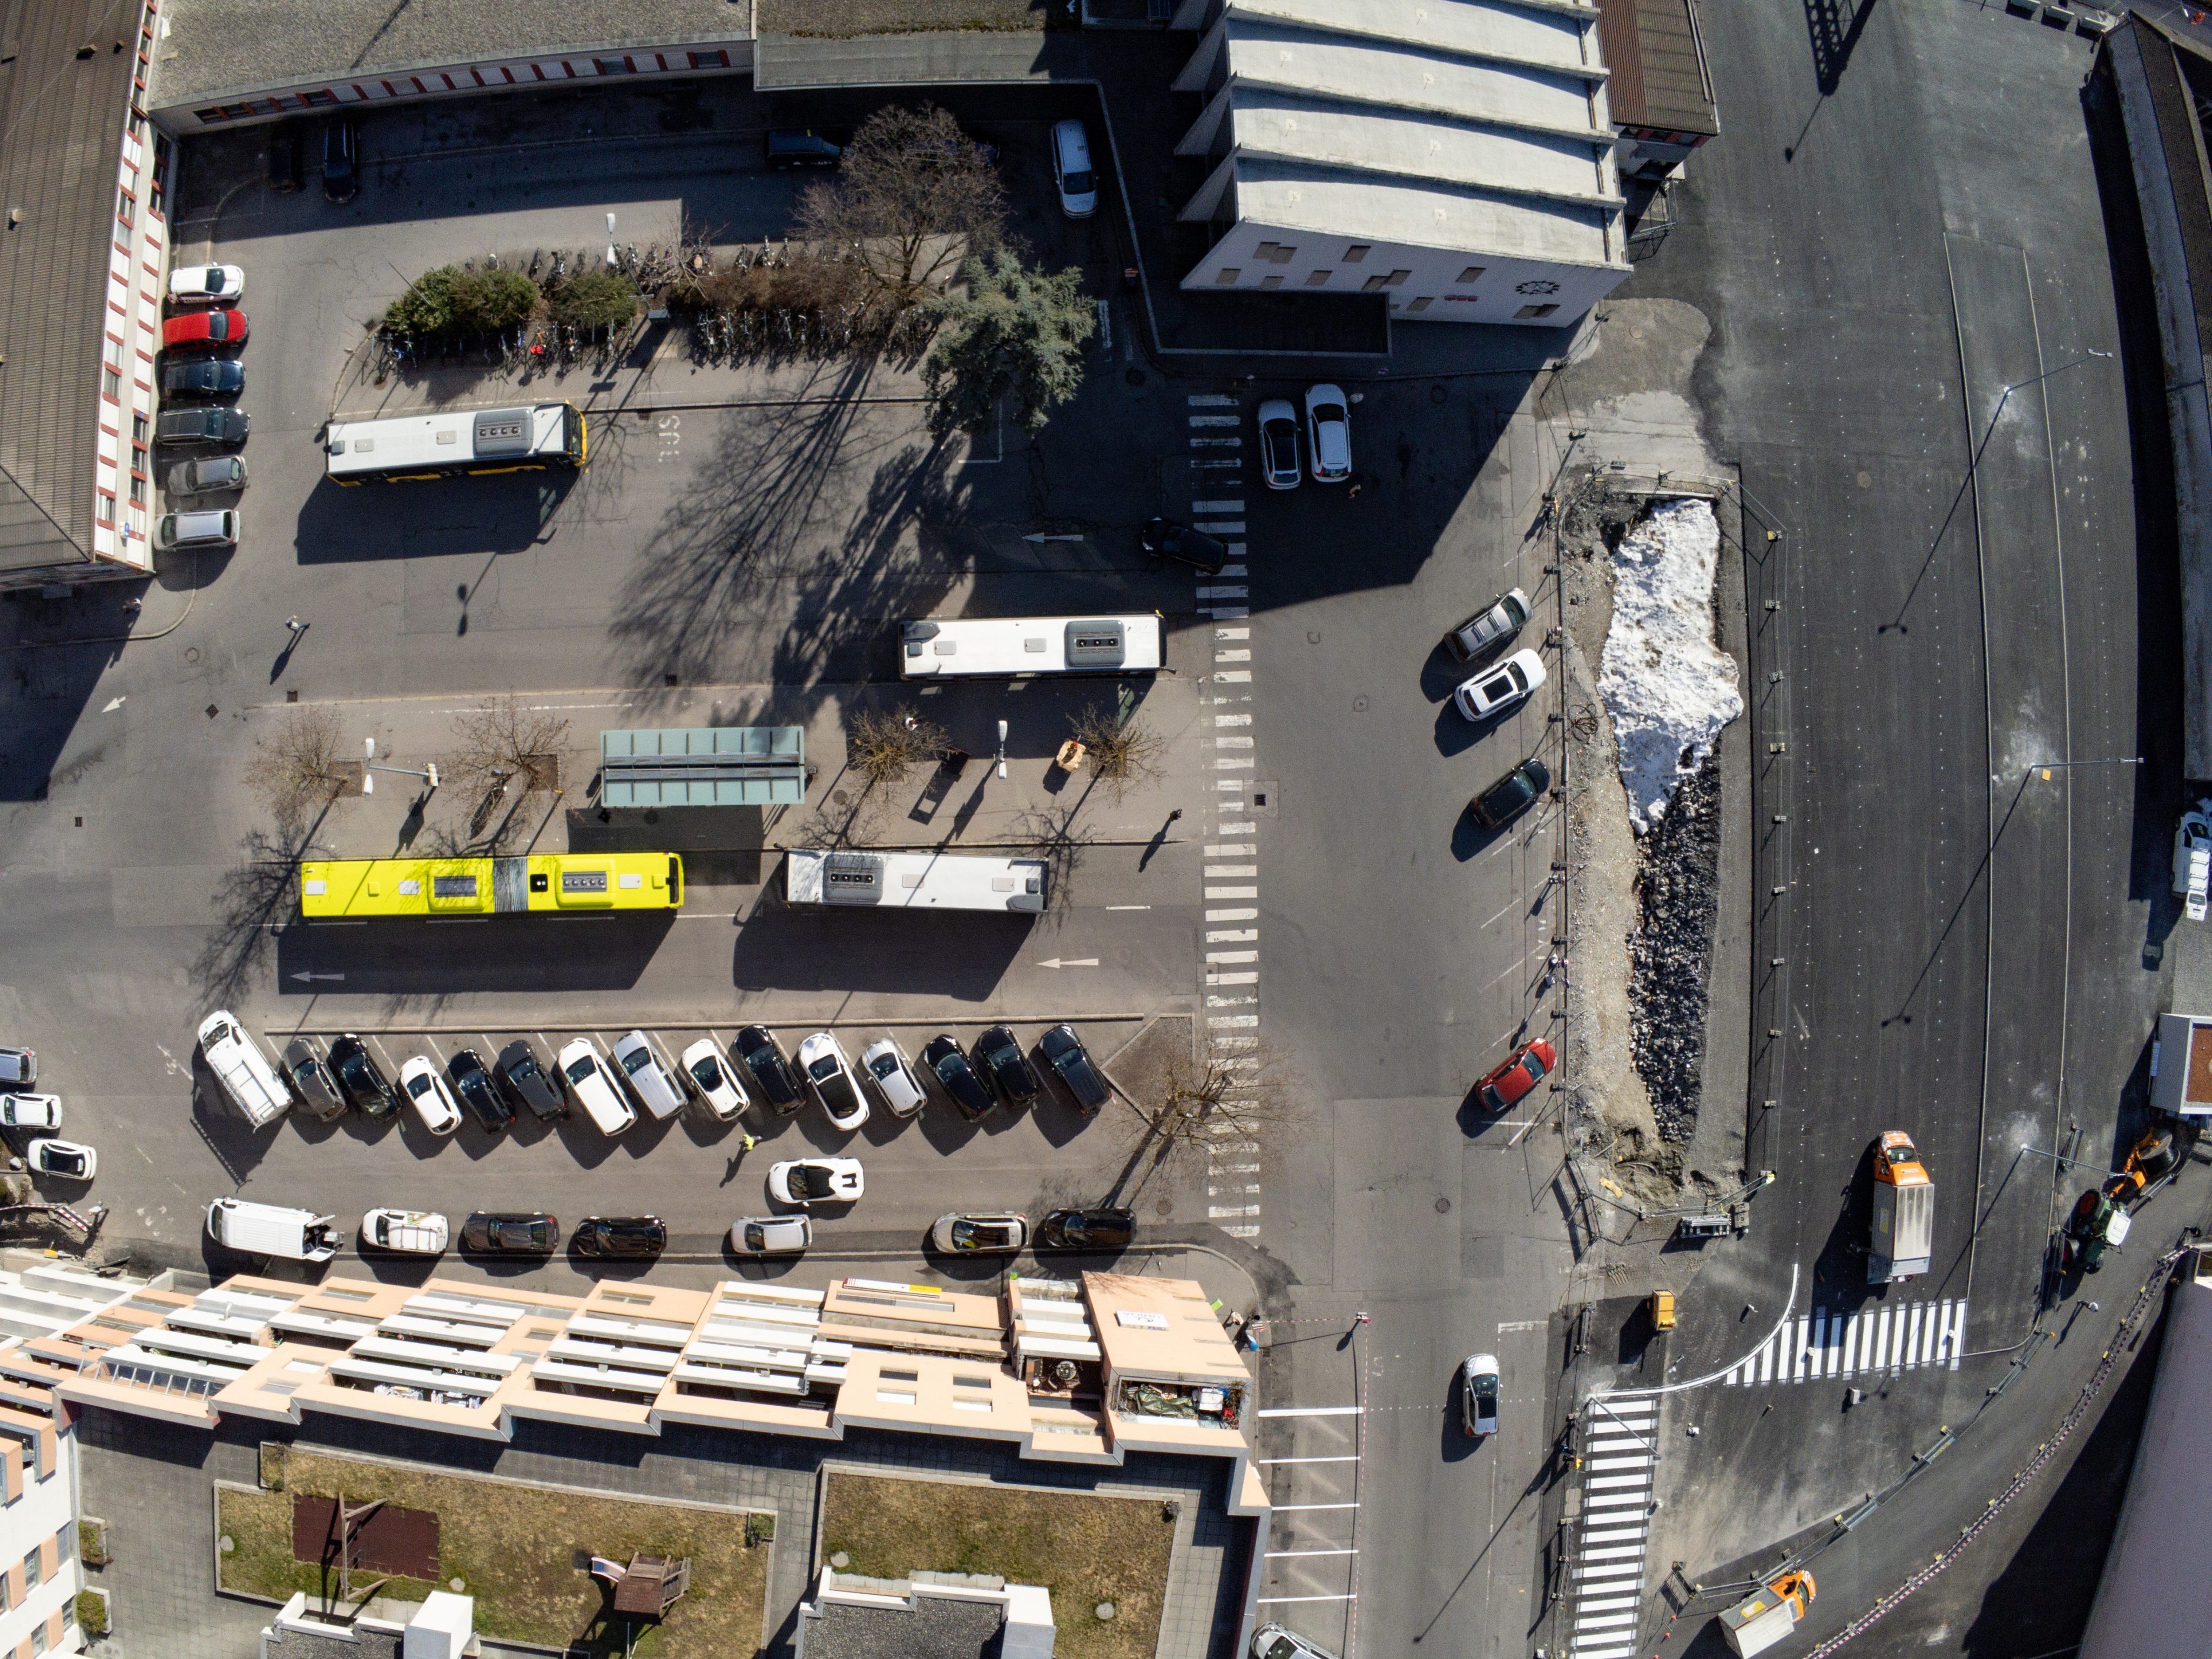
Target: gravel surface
point(1678, 882)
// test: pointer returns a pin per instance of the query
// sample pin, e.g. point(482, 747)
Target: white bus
point(1006, 646)
point(512, 440)
point(912, 881)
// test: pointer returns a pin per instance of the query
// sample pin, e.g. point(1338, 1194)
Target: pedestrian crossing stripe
point(1619, 1450)
point(1828, 1343)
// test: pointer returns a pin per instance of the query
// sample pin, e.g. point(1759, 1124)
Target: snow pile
point(1668, 685)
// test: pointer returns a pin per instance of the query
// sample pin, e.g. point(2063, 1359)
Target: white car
point(1072, 170)
point(405, 1232)
point(426, 1092)
point(1278, 445)
point(715, 1078)
point(223, 282)
point(1328, 433)
point(2192, 859)
point(18, 1066)
point(804, 1181)
point(1496, 689)
point(650, 1080)
point(30, 1112)
point(65, 1160)
point(1478, 1382)
point(592, 1080)
point(980, 1235)
point(886, 1063)
point(770, 1235)
point(830, 1080)
point(1273, 1642)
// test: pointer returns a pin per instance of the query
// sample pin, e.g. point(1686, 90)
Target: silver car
point(650, 1078)
point(1494, 625)
point(980, 1235)
point(172, 530)
point(886, 1063)
point(771, 1235)
point(1273, 1642)
point(206, 476)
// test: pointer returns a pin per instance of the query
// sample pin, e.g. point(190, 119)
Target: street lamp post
point(428, 774)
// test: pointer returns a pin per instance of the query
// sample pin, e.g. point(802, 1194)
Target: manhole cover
point(191, 654)
point(1104, 1610)
point(1313, 636)
point(1359, 705)
point(1866, 481)
point(1438, 394)
point(1444, 1206)
point(1134, 377)
point(1165, 1206)
point(841, 1561)
point(226, 1544)
point(839, 796)
point(457, 1585)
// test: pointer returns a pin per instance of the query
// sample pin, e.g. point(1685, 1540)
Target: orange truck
point(1759, 1622)
point(1903, 1212)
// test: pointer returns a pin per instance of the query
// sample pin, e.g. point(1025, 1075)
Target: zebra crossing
point(1620, 1446)
point(1825, 1343)
point(1231, 954)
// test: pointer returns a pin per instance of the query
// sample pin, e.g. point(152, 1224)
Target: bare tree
point(883, 744)
point(1121, 753)
point(1054, 834)
point(508, 744)
point(912, 199)
point(296, 769)
point(1222, 1092)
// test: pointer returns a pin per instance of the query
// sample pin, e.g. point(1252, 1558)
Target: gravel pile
point(1678, 890)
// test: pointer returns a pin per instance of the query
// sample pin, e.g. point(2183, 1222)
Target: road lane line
point(1347, 1457)
point(1311, 1411)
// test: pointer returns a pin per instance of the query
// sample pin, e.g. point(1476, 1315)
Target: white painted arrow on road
point(1073, 961)
point(113, 706)
point(304, 977)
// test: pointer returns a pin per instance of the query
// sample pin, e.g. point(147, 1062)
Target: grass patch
point(515, 1548)
point(1084, 1549)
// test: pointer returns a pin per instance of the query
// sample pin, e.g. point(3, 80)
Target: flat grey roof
point(210, 50)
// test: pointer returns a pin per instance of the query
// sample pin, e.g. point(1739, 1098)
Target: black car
point(214, 425)
point(764, 1058)
point(284, 155)
point(340, 162)
point(943, 1059)
point(630, 1237)
point(1164, 539)
point(791, 147)
point(523, 1079)
point(473, 1084)
point(204, 377)
point(357, 1074)
point(206, 475)
point(1087, 1230)
point(1511, 795)
point(1063, 1052)
point(496, 1232)
point(999, 1056)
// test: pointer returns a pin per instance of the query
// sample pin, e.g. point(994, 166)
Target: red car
point(205, 331)
point(1530, 1064)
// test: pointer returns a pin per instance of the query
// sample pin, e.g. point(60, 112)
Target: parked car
point(1087, 1230)
point(205, 331)
point(980, 1235)
point(1511, 795)
point(249, 1083)
point(656, 1087)
point(830, 1078)
point(1528, 1065)
point(1071, 1061)
point(1278, 445)
point(203, 377)
point(362, 1079)
point(771, 1235)
point(1164, 539)
point(508, 1232)
point(804, 1181)
point(999, 1056)
point(886, 1063)
point(217, 423)
point(1072, 170)
point(42, 1112)
point(592, 1080)
point(764, 1058)
point(340, 161)
point(2192, 860)
point(206, 475)
point(523, 1079)
point(956, 1078)
point(312, 1081)
point(65, 1160)
point(1329, 434)
point(715, 1079)
point(1492, 625)
point(18, 1066)
point(472, 1083)
point(1479, 1394)
point(621, 1237)
point(284, 155)
point(426, 1093)
point(796, 146)
point(405, 1232)
point(223, 283)
point(1273, 1642)
point(175, 531)
point(1496, 691)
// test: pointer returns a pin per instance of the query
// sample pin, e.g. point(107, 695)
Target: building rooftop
point(66, 85)
point(1658, 64)
point(930, 1616)
point(215, 51)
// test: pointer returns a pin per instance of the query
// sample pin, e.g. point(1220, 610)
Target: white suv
point(650, 1080)
point(426, 1093)
point(592, 1080)
point(1496, 689)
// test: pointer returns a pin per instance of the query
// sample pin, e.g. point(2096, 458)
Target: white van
point(248, 1078)
point(273, 1230)
point(1072, 170)
point(592, 1080)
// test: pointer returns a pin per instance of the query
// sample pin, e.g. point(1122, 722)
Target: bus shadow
point(410, 956)
point(960, 957)
point(503, 513)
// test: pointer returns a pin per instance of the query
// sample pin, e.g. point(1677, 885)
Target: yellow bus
point(568, 882)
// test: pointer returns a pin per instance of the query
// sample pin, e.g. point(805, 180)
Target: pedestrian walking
point(295, 626)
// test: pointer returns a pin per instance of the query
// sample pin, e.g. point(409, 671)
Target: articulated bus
point(1008, 646)
point(912, 881)
point(570, 884)
point(525, 437)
